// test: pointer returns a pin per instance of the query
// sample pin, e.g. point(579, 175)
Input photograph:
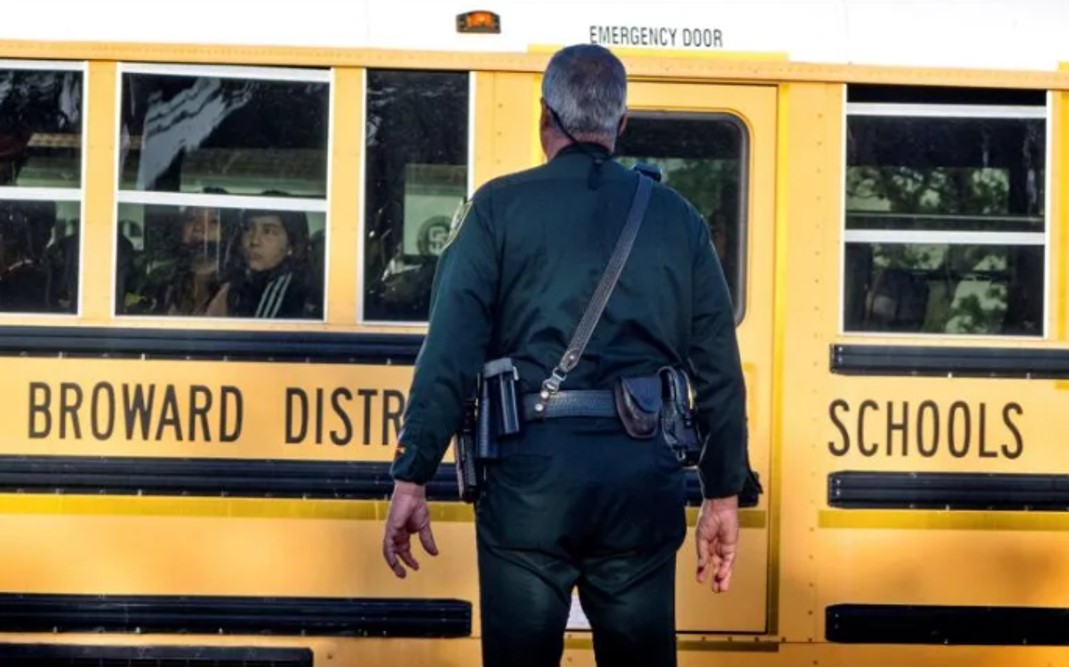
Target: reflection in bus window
point(40, 147)
point(701, 157)
point(40, 128)
point(187, 133)
point(417, 174)
point(38, 257)
point(205, 139)
point(214, 261)
point(945, 219)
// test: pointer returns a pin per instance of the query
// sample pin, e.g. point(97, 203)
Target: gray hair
point(587, 86)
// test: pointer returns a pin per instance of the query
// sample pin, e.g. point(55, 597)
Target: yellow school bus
point(218, 228)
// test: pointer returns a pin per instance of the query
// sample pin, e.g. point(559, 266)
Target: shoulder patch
point(458, 221)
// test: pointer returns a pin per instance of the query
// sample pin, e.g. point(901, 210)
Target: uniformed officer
point(576, 502)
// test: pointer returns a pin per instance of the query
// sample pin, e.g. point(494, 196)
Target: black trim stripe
point(196, 344)
point(342, 480)
point(929, 624)
point(64, 655)
point(359, 617)
point(953, 491)
point(992, 362)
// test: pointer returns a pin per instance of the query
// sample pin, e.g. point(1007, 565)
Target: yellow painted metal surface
point(799, 554)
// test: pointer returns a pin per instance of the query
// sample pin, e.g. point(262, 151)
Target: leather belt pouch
point(638, 404)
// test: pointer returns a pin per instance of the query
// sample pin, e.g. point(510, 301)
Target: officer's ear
point(545, 119)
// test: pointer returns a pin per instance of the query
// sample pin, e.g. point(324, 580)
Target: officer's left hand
point(408, 514)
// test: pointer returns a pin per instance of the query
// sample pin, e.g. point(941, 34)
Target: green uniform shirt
point(520, 271)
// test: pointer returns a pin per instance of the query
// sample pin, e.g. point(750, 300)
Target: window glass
point(41, 160)
point(701, 157)
point(188, 133)
point(416, 178)
point(40, 128)
point(945, 219)
point(210, 261)
point(38, 256)
point(222, 199)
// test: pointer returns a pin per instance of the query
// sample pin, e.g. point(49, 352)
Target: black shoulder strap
point(601, 295)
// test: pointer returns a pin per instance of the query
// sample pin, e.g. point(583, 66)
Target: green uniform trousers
point(578, 503)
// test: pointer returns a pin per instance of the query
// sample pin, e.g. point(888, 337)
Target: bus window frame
point(746, 167)
point(233, 202)
point(12, 193)
point(361, 248)
point(924, 110)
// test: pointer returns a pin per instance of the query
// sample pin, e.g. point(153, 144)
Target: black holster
point(469, 473)
point(491, 417)
point(679, 419)
point(662, 402)
point(667, 400)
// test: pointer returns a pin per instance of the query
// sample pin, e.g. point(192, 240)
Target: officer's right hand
point(717, 536)
point(408, 514)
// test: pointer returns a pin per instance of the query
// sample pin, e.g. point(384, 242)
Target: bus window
point(416, 178)
point(222, 199)
point(945, 219)
point(700, 156)
point(212, 261)
point(41, 161)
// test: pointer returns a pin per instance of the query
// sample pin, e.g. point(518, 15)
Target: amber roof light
point(479, 21)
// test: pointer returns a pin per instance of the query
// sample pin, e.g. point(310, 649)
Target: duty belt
point(573, 403)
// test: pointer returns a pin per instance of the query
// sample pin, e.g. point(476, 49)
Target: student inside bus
point(25, 229)
point(272, 280)
point(187, 281)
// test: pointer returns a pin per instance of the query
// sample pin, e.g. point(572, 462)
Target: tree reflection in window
point(945, 224)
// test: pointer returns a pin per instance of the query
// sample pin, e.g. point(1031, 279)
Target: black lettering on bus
point(367, 395)
point(136, 408)
point(319, 415)
point(686, 37)
point(922, 441)
point(169, 415)
point(69, 408)
point(102, 389)
point(391, 416)
point(862, 447)
point(292, 437)
point(615, 35)
point(594, 34)
point(197, 408)
point(1015, 450)
point(833, 412)
point(900, 426)
point(984, 453)
point(955, 408)
point(672, 36)
point(239, 413)
point(342, 415)
point(718, 39)
point(40, 405)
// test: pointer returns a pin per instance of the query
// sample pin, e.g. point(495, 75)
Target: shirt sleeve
point(461, 322)
point(719, 384)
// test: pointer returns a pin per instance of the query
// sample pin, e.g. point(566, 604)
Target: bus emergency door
point(715, 144)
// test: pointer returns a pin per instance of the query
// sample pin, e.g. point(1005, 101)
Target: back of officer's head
point(587, 86)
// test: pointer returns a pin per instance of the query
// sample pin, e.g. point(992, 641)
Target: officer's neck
point(557, 145)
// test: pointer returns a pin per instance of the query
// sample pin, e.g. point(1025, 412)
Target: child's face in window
point(200, 225)
point(264, 242)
